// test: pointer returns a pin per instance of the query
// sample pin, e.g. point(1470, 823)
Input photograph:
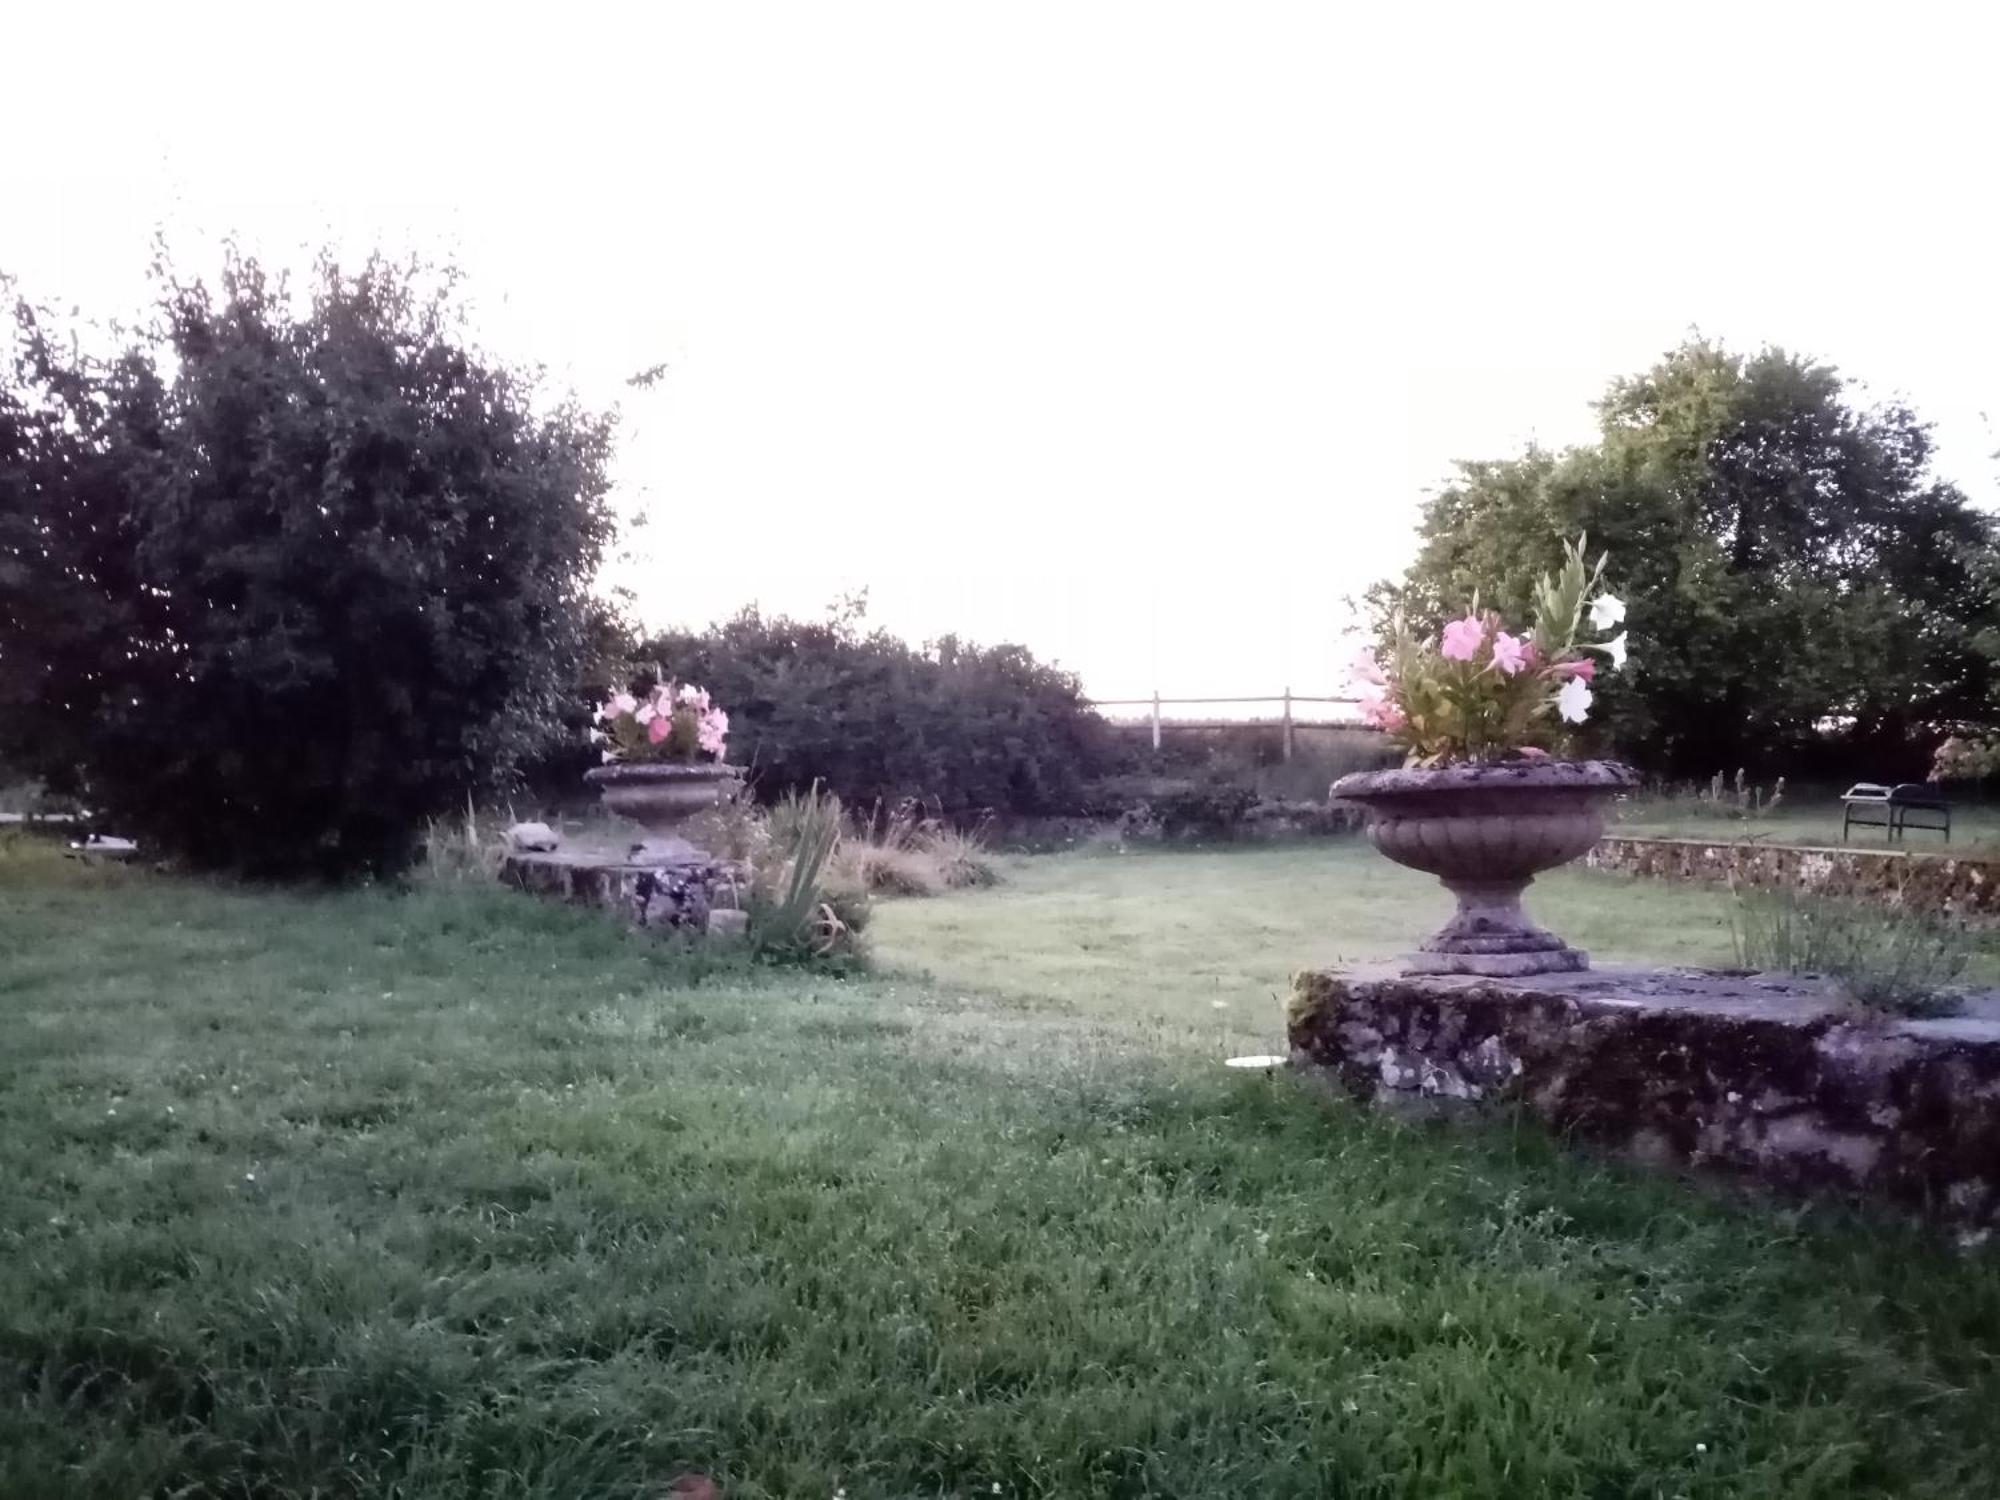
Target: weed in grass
point(961, 856)
point(1887, 960)
point(467, 845)
point(1720, 800)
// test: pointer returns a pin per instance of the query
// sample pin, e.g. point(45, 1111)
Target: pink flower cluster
point(1476, 691)
point(1476, 680)
point(1378, 709)
point(1463, 638)
point(668, 720)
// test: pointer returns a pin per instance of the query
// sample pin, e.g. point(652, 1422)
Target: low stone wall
point(703, 898)
point(1932, 882)
point(1763, 1075)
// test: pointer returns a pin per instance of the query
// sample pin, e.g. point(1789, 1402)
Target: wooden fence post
point(1288, 723)
point(1156, 718)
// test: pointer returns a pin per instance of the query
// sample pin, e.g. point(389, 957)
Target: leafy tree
point(1787, 558)
point(281, 581)
point(970, 728)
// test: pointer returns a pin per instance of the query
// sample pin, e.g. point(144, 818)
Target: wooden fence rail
point(1287, 698)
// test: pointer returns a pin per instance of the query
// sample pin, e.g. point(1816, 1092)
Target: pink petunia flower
point(1463, 638)
point(1510, 654)
point(1382, 714)
point(660, 727)
point(713, 731)
point(1533, 752)
point(1582, 667)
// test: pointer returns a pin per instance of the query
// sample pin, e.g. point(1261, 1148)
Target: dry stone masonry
point(1931, 882)
point(1768, 1076)
point(703, 896)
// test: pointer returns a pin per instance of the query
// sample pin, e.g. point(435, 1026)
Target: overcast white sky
point(1131, 332)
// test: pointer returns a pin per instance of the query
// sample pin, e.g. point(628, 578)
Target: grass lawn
point(1812, 819)
point(450, 1193)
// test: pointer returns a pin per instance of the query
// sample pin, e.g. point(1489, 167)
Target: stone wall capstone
point(1893, 877)
point(1769, 1076)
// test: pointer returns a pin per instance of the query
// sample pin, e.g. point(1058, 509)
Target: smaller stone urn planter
point(662, 795)
point(1486, 831)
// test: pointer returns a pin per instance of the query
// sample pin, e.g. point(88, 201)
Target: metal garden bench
point(1896, 809)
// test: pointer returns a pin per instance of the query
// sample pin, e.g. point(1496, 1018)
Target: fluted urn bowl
point(1486, 831)
point(662, 795)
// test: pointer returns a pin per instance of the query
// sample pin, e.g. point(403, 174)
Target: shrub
point(1210, 806)
point(1894, 962)
point(961, 856)
point(285, 581)
point(892, 872)
point(967, 728)
point(908, 851)
point(465, 846)
point(796, 915)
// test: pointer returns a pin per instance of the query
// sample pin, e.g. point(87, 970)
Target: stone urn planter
point(1486, 831)
point(661, 796)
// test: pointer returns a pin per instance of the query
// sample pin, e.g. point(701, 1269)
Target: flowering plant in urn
point(663, 763)
point(669, 723)
point(1481, 801)
point(1479, 691)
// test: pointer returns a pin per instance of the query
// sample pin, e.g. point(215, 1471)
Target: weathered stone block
point(1891, 877)
point(728, 924)
point(674, 897)
point(1766, 1075)
point(532, 838)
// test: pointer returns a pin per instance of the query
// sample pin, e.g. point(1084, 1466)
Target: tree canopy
point(1790, 563)
point(282, 578)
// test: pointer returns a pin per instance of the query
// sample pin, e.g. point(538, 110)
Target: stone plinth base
point(702, 897)
point(1498, 965)
point(1766, 1075)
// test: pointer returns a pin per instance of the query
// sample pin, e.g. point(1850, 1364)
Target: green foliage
point(1787, 560)
point(792, 919)
point(286, 578)
point(1891, 961)
point(1210, 803)
point(1206, 808)
point(966, 728)
point(1963, 758)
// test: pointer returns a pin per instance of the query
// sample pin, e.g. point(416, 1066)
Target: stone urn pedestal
point(1486, 831)
point(661, 796)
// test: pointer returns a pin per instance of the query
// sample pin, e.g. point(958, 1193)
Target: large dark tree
point(283, 577)
point(1791, 565)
